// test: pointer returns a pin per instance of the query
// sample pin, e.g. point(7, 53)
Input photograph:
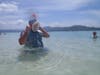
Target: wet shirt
point(34, 40)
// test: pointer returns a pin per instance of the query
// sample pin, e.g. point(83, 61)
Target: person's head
point(94, 33)
point(34, 24)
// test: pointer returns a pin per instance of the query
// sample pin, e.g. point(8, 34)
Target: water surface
point(65, 53)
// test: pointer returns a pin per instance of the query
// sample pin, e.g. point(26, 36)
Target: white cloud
point(57, 24)
point(62, 4)
point(8, 7)
point(14, 21)
point(92, 12)
point(20, 21)
point(15, 24)
point(86, 22)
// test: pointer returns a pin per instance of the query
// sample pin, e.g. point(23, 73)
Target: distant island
point(70, 28)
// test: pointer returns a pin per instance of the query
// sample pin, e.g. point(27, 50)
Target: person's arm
point(23, 37)
point(45, 33)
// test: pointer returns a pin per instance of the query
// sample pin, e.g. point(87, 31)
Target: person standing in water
point(31, 37)
point(94, 35)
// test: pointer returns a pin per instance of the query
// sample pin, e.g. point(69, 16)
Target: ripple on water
point(41, 60)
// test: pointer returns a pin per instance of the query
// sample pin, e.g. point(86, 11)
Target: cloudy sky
point(14, 14)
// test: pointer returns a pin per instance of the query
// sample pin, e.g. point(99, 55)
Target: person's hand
point(45, 33)
point(27, 29)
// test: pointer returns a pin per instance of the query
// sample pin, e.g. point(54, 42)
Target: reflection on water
point(32, 55)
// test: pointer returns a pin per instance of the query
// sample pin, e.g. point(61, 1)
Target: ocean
point(64, 53)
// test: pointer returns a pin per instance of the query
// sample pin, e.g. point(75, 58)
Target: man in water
point(94, 35)
point(31, 37)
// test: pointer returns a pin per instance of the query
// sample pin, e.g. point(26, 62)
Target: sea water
point(65, 53)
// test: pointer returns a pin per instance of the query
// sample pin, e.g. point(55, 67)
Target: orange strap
point(23, 38)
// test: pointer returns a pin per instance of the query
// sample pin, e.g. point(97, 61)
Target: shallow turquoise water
point(65, 53)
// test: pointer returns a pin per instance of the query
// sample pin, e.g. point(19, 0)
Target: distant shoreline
point(51, 29)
